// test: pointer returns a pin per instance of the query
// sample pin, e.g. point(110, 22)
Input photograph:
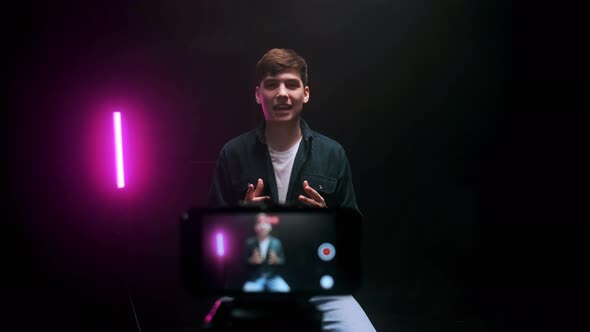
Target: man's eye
point(270, 85)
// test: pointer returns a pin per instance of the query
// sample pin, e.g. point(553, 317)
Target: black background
point(448, 171)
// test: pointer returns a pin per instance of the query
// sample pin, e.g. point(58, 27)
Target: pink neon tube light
point(220, 247)
point(119, 150)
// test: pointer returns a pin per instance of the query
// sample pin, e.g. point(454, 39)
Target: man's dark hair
point(280, 59)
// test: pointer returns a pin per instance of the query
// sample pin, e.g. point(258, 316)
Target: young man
point(264, 252)
point(284, 162)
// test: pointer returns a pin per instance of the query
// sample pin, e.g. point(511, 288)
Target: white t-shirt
point(264, 247)
point(282, 162)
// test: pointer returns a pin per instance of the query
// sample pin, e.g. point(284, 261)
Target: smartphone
point(278, 252)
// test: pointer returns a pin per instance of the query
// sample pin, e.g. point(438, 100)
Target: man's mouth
point(283, 107)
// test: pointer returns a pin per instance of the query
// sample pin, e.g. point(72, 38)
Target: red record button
point(326, 251)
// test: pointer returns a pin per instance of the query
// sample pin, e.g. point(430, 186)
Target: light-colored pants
point(339, 313)
point(342, 314)
point(272, 284)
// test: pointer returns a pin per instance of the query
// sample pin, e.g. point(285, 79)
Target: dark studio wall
point(413, 90)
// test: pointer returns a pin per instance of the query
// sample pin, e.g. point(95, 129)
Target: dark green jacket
point(320, 160)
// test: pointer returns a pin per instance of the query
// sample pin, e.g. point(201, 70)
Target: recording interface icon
point(327, 282)
point(326, 252)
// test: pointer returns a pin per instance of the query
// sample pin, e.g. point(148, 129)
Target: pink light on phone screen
point(220, 246)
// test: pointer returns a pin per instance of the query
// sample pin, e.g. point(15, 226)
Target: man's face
point(282, 96)
point(262, 228)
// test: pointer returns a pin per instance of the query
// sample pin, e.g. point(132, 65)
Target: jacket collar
point(306, 132)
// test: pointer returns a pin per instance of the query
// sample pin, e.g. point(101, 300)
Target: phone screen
point(278, 252)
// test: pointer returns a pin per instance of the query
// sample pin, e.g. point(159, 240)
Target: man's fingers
point(249, 192)
point(253, 193)
point(315, 200)
point(259, 188)
point(312, 192)
point(309, 201)
point(260, 199)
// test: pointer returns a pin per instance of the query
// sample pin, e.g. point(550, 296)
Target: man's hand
point(253, 194)
point(316, 199)
point(255, 258)
point(273, 258)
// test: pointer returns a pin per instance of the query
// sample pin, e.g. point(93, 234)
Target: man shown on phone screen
point(264, 253)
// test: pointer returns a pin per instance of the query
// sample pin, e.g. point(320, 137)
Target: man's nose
point(282, 93)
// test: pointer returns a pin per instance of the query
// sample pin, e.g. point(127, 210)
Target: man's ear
point(257, 95)
point(306, 94)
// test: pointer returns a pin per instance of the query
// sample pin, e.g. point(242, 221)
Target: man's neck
point(260, 239)
point(280, 136)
